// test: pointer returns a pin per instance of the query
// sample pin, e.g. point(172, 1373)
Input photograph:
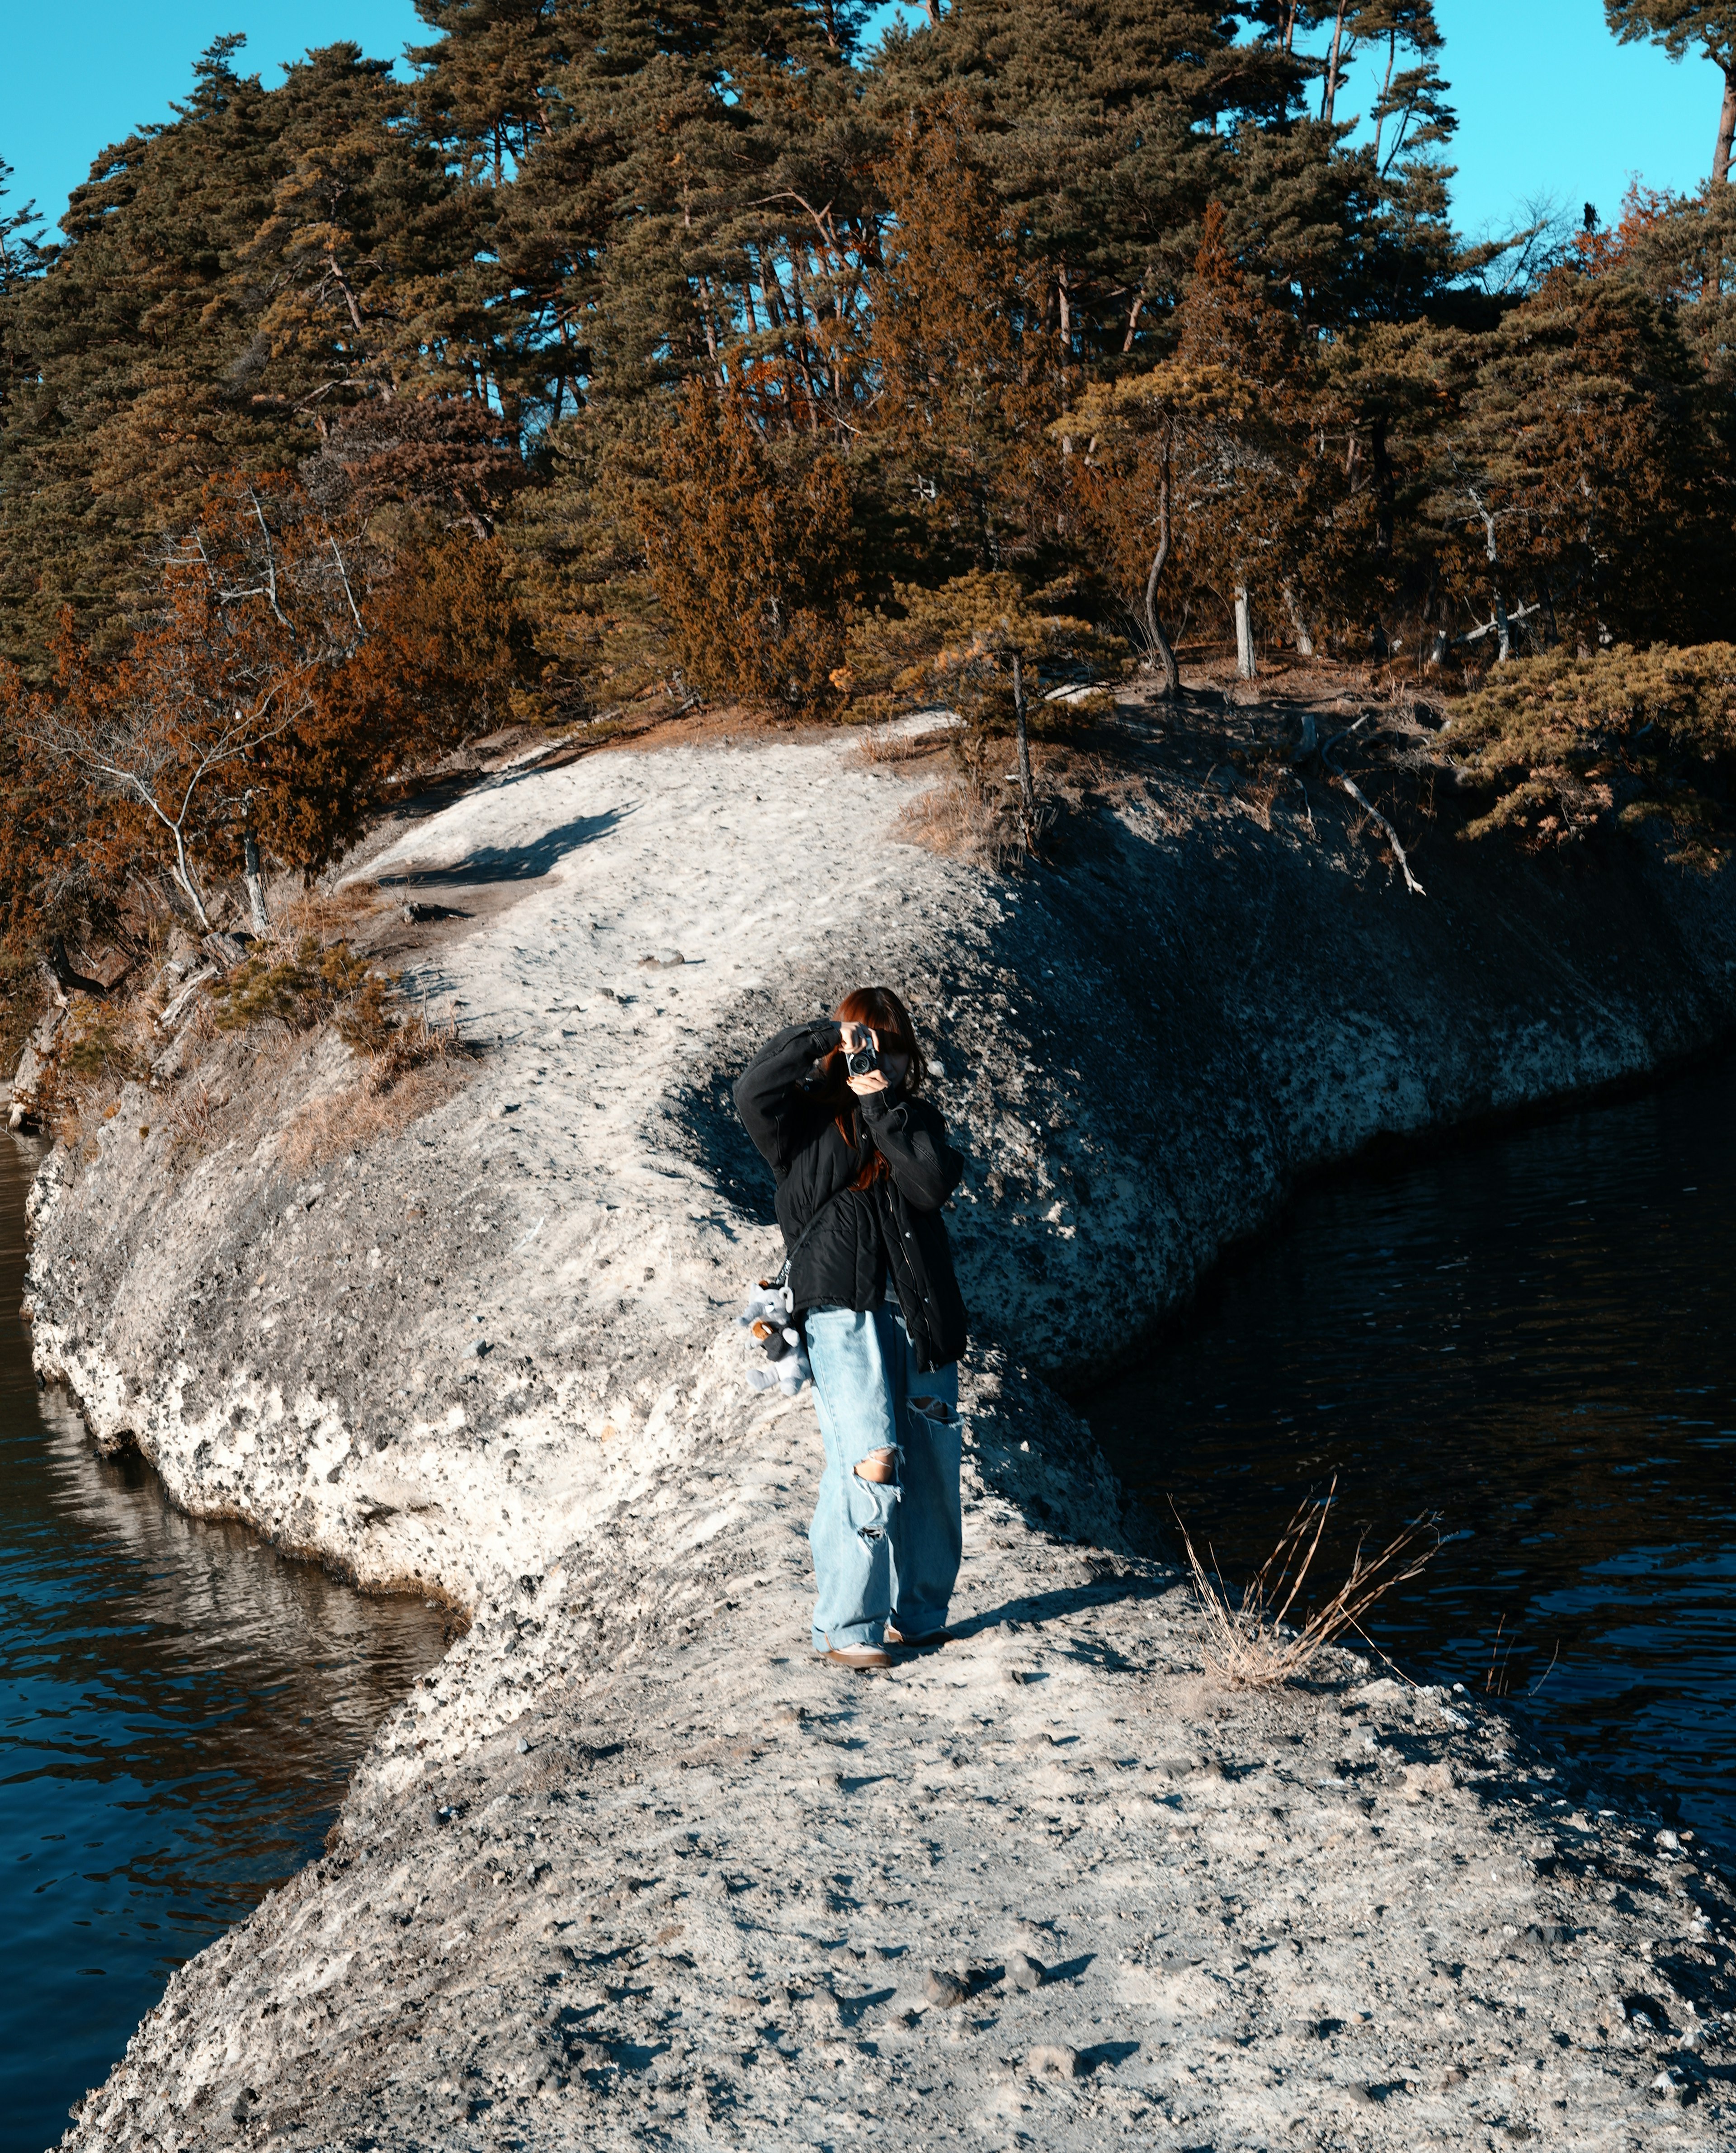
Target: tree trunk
point(66, 975)
point(1383, 487)
point(1491, 554)
point(1027, 790)
point(1134, 314)
point(1160, 642)
point(1329, 88)
point(1726, 131)
point(182, 872)
point(1380, 117)
point(1304, 641)
point(1244, 664)
point(255, 885)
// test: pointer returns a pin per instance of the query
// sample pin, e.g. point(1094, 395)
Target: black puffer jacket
point(896, 1223)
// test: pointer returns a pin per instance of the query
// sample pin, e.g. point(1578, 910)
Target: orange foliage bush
point(289, 668)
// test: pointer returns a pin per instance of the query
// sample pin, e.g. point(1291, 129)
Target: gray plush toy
point(770, 1326)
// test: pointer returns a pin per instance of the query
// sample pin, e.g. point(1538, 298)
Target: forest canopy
point(708, 352)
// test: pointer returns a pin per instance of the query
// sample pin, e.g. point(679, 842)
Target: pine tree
point(1393, 248)
point(753, 566)
point(484, 83)
point(23, 256)
point(1624, 737)
point(499, 313)
point(130, 406)
point(987, 647)
point(955, 361)
point(731, 167)
point(1681, 253)
point(1583, 468)
point(1406, 94)
point(1105, 130)
point(1246, 484)
point(1679, 26)
point(357, 219)
point(1374, 553)
point(231, 284)
point(24, 260)
point(580, 574)
point(697, 208)
point(359, 342)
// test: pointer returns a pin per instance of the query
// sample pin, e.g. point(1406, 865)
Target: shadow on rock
point(527, 862)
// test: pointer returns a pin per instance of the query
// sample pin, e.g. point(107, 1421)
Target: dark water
point(179, 1710)
point(1532, 1336)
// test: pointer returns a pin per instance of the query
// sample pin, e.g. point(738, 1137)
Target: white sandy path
point(783, 851)
point(776, 849)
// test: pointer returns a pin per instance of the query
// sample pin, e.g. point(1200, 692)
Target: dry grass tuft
point(958, 819)
point(192, 1120)
point(1250, 1644)
point(359, 1116)
point(325, 914)
point(100, 1047)
point(879, 747)
point(419, 1067)
point(965, 816)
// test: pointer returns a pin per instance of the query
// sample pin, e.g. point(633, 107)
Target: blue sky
point(1548, 103)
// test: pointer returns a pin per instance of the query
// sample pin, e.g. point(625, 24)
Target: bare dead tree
point(1491, 554)
point(1160, 643)
point(1341, 777)
point(1027, 790)
point(137, 753)
point(256, 604)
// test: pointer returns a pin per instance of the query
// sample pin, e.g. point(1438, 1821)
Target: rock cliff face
point(491, 1356)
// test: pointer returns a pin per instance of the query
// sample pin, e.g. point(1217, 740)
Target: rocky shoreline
point(631, 1867)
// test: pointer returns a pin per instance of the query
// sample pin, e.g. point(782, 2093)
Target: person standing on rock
point(862, 1167)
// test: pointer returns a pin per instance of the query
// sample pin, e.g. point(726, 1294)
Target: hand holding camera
point(862, 1059)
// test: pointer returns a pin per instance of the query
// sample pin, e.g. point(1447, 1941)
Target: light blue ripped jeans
point(883, 1552)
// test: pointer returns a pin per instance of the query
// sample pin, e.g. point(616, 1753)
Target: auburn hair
point(881, 1009)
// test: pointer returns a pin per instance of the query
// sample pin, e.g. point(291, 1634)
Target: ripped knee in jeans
point(879, 1473)
point(936, 1409)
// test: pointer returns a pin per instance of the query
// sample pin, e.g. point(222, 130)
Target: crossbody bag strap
point(783, 1276)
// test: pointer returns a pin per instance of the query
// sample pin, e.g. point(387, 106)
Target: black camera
point(862, 1061)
